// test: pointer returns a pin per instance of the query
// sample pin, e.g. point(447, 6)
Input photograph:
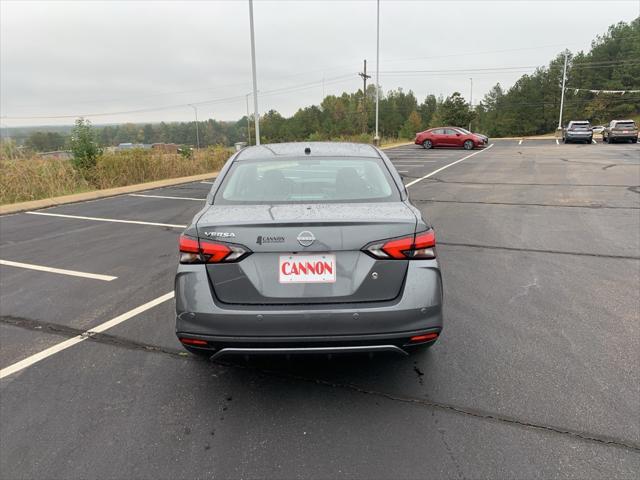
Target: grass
point(34, 178)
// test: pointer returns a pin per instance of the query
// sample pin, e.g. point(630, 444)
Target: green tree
point(84, 145)
point(412, 126)
point(455, 111)
point(45, 141)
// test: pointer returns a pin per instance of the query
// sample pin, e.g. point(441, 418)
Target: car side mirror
point(457, 134)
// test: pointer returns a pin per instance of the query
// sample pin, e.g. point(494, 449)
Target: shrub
point(84, 146)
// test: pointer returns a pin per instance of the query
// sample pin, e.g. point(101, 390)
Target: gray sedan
point(308, 248)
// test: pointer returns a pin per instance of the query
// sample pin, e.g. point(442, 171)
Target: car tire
point(468, 145)
point(590, 140)
point(427, 144)
point(635, 140)
point(198, 352)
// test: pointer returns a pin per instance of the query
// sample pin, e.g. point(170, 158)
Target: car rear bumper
point(583, 137)
point(623, 136)
point(417, 310)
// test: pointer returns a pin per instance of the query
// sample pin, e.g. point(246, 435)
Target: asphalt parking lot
point(536, 375)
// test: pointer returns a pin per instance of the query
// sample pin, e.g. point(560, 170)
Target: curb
point(97, 194)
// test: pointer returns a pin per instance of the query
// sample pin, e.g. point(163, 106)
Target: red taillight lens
point(214, 252)
point(194, 341)
point(193, 250)
point(427, 337)
point(418, 247)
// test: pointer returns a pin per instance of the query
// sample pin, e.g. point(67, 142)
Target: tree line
point(531, 106)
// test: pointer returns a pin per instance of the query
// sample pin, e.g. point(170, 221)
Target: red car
point(450, 137)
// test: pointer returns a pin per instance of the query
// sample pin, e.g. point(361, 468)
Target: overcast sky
point(91, 57)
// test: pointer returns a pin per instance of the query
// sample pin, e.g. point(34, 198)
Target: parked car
point(482, 136)
point(577, 131)
point(620, 130)
point(598, 129)
point(308, 248)
point(450, 137)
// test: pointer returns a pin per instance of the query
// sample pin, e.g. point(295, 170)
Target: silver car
point(308, 248)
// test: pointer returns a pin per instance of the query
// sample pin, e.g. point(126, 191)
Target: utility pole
point(248, 121)
point(195, 109)
point(255, 81)
point(564, 78)
point(471, 101)
point(364, 97)
point(376, 139)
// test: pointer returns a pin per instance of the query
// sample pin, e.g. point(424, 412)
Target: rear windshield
point(580, 125)
point(625, 125)
point(307, 180)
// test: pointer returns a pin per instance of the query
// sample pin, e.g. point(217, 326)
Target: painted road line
point(593, 141)
point(113, 220)
point(166, 196)
point(557, 142)
point(62, 271)
point(27, 362)
point(520, 142)
point(447, 166)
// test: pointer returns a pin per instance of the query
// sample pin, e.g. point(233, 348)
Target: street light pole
point(255, 81)
point(376, 139)
point(248, 122)
point(471, 101)
point(564, 78)
point(195, 109)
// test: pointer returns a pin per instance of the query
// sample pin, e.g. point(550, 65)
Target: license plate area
point(317, 268)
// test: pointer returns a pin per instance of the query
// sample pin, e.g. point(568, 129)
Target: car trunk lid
point(306, 234)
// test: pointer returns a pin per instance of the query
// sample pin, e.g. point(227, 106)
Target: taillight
point(420, 246)
point(193, 250)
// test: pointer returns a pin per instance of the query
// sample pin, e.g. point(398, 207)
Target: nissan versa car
point(308, 248)
point(450, 137)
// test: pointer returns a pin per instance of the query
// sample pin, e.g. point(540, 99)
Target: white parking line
point(520, 142)
point(447, 166)
point(402, 160)
point(164, 196)
point(35, 358)
point(114, 220)
point(593, 141)
point(62, 271)
point(557, 142)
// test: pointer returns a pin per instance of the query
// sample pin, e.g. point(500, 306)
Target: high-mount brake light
point(420, 246)
point(193, 250)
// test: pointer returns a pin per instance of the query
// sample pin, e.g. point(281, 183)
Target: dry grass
point(35, 178)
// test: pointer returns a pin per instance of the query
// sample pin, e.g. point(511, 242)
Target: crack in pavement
point(546, 205)
point(439, 180)
point(69, 332)
point(536, 250)
point(62, 330)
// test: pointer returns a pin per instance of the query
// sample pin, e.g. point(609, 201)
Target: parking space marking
point(520, 142)
point(593, 141)
point(113, 220)
point(557, 142)
point(166, 196)
point(447, 166)
point(35, 358)
point(62, 271)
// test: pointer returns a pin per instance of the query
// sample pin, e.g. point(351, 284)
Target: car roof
point(624, 121)
point(297, 150)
